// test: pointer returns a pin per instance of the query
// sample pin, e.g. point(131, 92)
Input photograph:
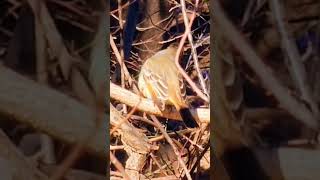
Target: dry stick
point(120, 14)
point(191, 83)
point(297, 68)
point(176, 151)
point(148, 106)
point(160, 137)
point(204, 40)
point(125, 119)
point(127, 4)
point(153, 26)
point(120, 60)
point(171, 39)
point(131, 133)
point(207, 146)
point(247, 13)
point(123, 83)
point(115, 173)
point(42, 77)
point(158, 164)
point(118, 147)
point(193, 48)
point(68, 162)
point(268, 79)
point(143, 119)
point(118, 165)
point(192, 142)
point(114, 16)
point(172, 177)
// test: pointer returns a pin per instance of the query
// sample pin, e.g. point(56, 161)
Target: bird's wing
point(157, 86)
point(182, 87)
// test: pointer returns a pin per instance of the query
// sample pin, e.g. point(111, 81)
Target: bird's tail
point(188, 118)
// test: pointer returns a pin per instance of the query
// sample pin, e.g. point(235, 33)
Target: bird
point(160, 80)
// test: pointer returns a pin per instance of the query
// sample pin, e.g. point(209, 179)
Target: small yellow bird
point(161, 81)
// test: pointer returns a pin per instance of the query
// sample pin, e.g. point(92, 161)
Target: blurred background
point(53, 90)
point(266, 89)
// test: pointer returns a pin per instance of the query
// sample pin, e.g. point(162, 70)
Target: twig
point(143, 119)
point(120, 14)
point(176, 151)
point(131, 134)
point(124, 119)
point(68, 162)
point(152, 26)
point(119, 147)
point(192, 142)
point(115, 173)
point(207, 146)
point(123, 83)
point(118, 165)
point(158, 164)
point(120, 60)
point(148, 106)
point(193, 48)
point(160, 137)
point(191, 83)
point(297, 68)
point(127, 4)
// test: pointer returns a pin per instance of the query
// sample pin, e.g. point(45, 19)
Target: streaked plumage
point(161, 81)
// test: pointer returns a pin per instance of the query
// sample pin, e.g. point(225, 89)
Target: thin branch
point(176, 151)
point(296, 65)
point(148, 106)
point(119, 147)
point(124, 119)
point(191, 83)
point(120, 60)
point(118, 165)
point(193, 48)
point(130, 134)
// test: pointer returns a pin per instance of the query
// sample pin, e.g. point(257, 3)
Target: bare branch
point(146, 105)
